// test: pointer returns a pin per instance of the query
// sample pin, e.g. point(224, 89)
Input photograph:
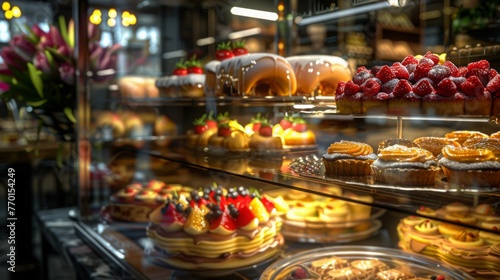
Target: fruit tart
point(216, 228)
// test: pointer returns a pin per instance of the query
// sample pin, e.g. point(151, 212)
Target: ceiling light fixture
point(244, 33)
point(205, 41)
point(245, 12)
point(341, 13)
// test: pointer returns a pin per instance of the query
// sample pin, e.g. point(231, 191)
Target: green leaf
point(69, 113)
point(36, 79)
point(63, 29)
point(37, 103)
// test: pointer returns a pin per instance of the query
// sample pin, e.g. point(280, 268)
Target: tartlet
point(348, 158)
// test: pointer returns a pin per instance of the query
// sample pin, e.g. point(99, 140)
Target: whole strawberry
point(299, 125)
point(224, 130)
point(194, 66)
point(199, 125)
point(239, 48)
point(266, 129)
point(224, 51)
point(180, 69)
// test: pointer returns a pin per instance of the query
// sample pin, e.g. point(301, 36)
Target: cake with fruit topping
point(136, 201)
point(203, 128)
point(187, 80)
point(298, 135)
point(406, 166)
point(422, 85)
point(217, 229)
point(348, 158)
point(262, 138)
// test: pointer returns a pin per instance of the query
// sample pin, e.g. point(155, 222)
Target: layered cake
point(401, 165)
point(216, 229)
point(473, 251)
point(319, 75)
point(421, 86)
point(348, 158)
point(136, 201)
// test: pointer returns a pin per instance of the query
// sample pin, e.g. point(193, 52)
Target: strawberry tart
point(422, 86)
point(217, 229)
point(261, 136)
point(187, 80)
point(298, 134)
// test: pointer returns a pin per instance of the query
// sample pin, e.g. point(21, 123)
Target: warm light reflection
point(8, 14)
point(5, 6)
point(111, 22)
point(16, 12)
point(244, 12)
point(112, 13)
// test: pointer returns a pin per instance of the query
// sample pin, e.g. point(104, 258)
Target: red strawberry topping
point(453, 68)
point(266, 130)
point(239, 48)
point(421, 70)
point(446, 87)
point(432, 57)
point(400, 71)
point(423, 87)
point(245, 215)
point(410, 59)
point(493, 85)
point(299, 125)
point(438, 73)
point(340, 88)
point(472, 86)
point(286, 122)
point(224, 130)
point(385, 74)
point(361, 77)
point(224, 51)
point(180, 69)
point(403, 87)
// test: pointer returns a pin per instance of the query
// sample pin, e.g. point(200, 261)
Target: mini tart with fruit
point(298, 135)
point(203, 128)
point(228, 138)
point(215, 228)
point(348, 158)
point(263, 139)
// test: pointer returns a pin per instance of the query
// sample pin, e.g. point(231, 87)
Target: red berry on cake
point(199, 125)
point(422, 70)
point(453, 68)
point(224, 51)
point(385, 74)
point(351, 88)
point(224, 130)
point(266, 130)
point(423, 87)
point(361, 77)
point(472, 86)
point(410, 59)
point(210, 122)
point(403, 87)
point(286, 122)
point(389, 86)
point(462, 71)
point(246, 216)
point(446, 87)
point(400, 71)
point(439, 72)
point(493, 85)
point(180, 69)
point(172, 219)
point(239, 48)
point(299, 125)
point(194, 66)
point(433, 57)
point(371, 86)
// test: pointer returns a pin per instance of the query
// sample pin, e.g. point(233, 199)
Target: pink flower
point(65, 50)
point(12, 59)
point(39, 33)
point(24, 48)
point(4, 87)
point(42, 63)
point(67, 73)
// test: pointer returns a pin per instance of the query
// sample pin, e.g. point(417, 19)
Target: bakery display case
point(248, 159)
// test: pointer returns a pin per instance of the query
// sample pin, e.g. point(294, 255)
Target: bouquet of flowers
point(39, 72)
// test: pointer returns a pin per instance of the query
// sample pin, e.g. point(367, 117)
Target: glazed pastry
point(467, 167)
point(348, 158)
point(401, 165)
point(434, 144)
point(460, 136)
